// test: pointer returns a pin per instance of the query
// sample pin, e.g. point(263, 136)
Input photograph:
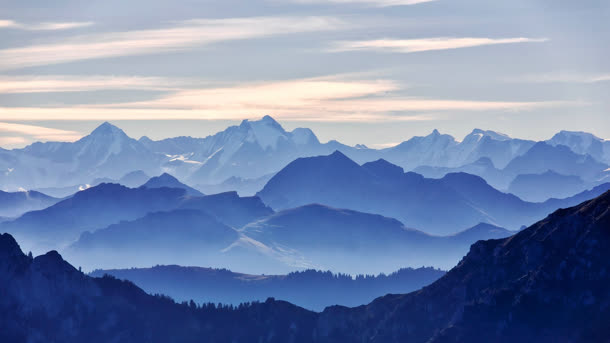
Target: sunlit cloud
point(562, 77)
point(12, 141)
point(45, 26)
point(426, 44)
point(81, 83)
point(179, 36)
point(21, 133)
point(374, 3)
point(324, 99)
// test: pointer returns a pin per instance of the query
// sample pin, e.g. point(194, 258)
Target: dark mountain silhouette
point(544, 284)
point(14, 204)
point(548, 283)
point(168, 181)
point(438, 206)
point(311, 289)
point(45, 299)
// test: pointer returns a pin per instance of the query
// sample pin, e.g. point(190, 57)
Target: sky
point(374, 72)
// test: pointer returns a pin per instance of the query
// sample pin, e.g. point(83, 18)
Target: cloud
point(12, 141)
point(330, 99)
point(374, 3)
point(29, 132)
point(426, 44)
point(562, 77)
point(46, 26)
point(180, 36)
point(81, 83)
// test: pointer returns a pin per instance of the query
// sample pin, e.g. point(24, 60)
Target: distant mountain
point(583, 143)
point(244, 187)
point(168, 181)
point(229, 208)
point(482, 167)
point(436, 206)
point(106, 152)
point(94, 208)
point(540, 187)
point(337, 181)
point(545, 284)
point(189, 237)
point(560, 159)
point(14, 204)
point(441, 150)
point(132, 180)
point(249, 150)
point(310, 289)
point(355, 242)
point(240, 156)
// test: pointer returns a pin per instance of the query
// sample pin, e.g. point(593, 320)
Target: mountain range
point(546, 283)
point(464, 200)
point(311, 289)
point(242, 157)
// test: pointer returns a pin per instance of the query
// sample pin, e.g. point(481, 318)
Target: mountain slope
point(357, 243)
point(583, 143)
point(560, 159)
point(14, 204)
point(544, 284)
point(168, 181)
point(188, 237)
point(94, 208)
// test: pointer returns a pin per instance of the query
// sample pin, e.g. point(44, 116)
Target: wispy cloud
point(374, 3)
point(314, 99)
point(562, 77)
point(45, 26)
point(179, 36)
point(21, 133)
point(426, 44)
point(80, 83)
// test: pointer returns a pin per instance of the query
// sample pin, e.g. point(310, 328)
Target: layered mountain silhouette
point(540, 187)
point(545, 284)
point(356, 242)
point(438, 206)
point(310, 289)
point(14, 204)
point(238, 158)
point(165, 180)
point(91, 209)
point(189, 237)
point(312, 236)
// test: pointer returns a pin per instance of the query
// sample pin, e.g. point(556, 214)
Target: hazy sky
point(360, 71)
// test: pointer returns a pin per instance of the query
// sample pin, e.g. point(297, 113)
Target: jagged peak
point(107, 129)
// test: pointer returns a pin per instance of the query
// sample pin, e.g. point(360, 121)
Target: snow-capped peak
point(266, 132)
point(479, 134)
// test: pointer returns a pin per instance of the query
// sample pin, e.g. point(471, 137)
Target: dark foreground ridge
point(547, 283)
